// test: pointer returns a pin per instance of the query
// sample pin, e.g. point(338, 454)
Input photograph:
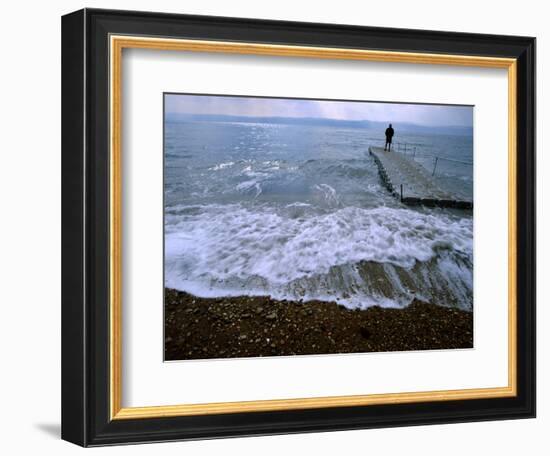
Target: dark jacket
point(389, 133)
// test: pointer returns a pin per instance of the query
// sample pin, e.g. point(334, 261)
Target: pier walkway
point(412, 183)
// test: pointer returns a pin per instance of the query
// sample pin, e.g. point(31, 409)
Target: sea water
point(298, 212)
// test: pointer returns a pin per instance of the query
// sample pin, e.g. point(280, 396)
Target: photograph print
point(309, 227)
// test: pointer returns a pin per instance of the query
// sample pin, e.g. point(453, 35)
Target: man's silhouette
point(389, 136)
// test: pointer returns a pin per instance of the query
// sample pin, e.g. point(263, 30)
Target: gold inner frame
point(117, 44)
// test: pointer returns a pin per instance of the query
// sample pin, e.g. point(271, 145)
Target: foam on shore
point(361, 257)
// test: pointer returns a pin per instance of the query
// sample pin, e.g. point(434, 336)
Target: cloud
point(422, 114)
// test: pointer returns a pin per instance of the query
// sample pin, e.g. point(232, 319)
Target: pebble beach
point(238, 327)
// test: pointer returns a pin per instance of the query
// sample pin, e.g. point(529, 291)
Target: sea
point(298, 212)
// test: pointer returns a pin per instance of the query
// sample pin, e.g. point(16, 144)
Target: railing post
point(401, 192)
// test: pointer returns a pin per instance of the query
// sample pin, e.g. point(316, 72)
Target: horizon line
point(334, 119)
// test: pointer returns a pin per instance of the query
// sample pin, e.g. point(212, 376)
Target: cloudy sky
point(432, 115)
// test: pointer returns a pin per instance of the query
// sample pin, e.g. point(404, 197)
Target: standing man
point(389, 136)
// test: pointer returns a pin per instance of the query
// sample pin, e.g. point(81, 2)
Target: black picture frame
point(85, 228)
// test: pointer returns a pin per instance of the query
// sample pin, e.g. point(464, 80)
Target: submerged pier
point(412, 183)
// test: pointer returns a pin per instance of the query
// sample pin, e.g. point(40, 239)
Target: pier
point(411, 183)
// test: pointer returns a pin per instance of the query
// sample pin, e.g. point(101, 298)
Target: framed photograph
point(278, 227)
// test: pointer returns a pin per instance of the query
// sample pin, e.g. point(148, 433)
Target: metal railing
point(409, 149)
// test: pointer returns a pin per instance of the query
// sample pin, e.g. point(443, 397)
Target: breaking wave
point(359, 257)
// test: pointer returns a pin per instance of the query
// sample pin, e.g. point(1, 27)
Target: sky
point(428, 115)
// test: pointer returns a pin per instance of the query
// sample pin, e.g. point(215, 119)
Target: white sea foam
point(298, 204)
point(221, 166)
point(247, 186)
point(383, 256)
point(329, 193)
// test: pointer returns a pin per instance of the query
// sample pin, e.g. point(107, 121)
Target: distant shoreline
point(405, 127)
point(244, 326)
